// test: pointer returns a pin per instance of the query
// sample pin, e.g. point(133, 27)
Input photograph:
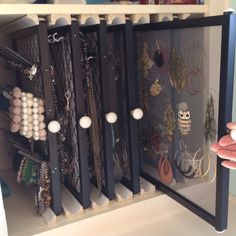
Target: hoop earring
point(197, 73)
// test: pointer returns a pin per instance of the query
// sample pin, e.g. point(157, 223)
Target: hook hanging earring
point(210, 122)
point(155, 88)
point(158, 55)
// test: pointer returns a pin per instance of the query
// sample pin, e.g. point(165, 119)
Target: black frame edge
point(225, 115)
point(50, 115)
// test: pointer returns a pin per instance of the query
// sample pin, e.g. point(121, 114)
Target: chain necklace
point(92, 111)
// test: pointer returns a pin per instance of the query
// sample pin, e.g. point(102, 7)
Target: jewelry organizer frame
point(44, 71)
point(227, 22)
point(83, 196)
point(130, 95)
point(100, 30)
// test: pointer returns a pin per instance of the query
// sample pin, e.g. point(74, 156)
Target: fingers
point(226, 140)
point(231, 125)
point(215, 147)
point(226, 154)
point(229, 164)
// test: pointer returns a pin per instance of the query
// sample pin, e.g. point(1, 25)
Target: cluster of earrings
point(26, 114)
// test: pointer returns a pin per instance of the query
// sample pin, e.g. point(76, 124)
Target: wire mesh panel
point(28, 47)
point(94, 50)
point(32, 45)
point(64, 65)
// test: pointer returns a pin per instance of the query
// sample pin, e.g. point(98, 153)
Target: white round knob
point(54, 126)
point(137, 113)
point(233, 134)
point(85, 122)
point(111, 117)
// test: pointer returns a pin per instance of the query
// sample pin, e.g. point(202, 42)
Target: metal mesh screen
point(92, 41)
point(28, 47)
point(65, 105)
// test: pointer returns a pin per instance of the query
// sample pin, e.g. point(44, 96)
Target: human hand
point(226, 147)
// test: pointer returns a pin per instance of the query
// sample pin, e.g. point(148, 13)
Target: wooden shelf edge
point(76, 9)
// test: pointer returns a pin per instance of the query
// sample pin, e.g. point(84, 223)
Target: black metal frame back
point(228, 22)
point(84, 195)
point(45, 71)
point(101, 32)
point(127, 32)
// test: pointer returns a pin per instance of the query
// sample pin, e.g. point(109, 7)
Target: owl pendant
point(184, 121)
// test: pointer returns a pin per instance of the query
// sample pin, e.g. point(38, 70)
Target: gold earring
point(155, 88)
point(145, 63)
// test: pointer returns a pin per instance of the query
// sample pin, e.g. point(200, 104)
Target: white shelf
point(23, 221)
point(75, 9)
point(11, 12)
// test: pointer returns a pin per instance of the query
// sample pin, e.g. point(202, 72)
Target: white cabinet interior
point(19, 205)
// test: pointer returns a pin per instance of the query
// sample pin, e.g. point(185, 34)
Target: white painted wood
point(122, 193)
point(21, 23)
point(146, 187)
point(115, 19)
point(89, 19)
point(46, 9)
point(99, 201)
point(140, 18)
point(161, 17)
point(3, 223)
point(59, 19)
point(49, 217)
point(70, 204)
point(183, 16)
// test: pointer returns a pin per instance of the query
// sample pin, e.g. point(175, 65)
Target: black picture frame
point(227, 21)
point(100, 30)
point(41, 30)
point(126, 30)
point(72, 31)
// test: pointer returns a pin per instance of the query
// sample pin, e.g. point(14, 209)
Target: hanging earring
point(210, 122)
point(158, 56)
point(155, 88)
point(165, 170)
point(177, 71)
point(169, 121)
point(145, 63)
point(184, 121)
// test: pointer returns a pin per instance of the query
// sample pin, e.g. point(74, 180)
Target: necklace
point(92, 111)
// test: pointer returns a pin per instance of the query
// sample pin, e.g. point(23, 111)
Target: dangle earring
point(177, 70)
point(158, 56)
point(165, 170)
point(184, 120)
point(169, 121)
point(145, 63)
point(155, 88)
point(210, 122)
